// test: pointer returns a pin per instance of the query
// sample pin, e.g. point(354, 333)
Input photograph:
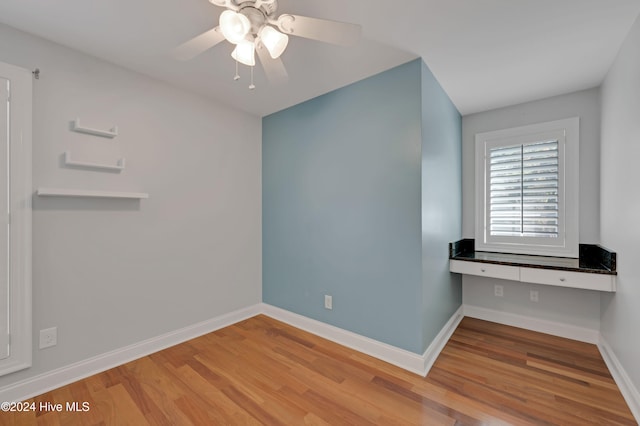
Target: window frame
point(566, 131)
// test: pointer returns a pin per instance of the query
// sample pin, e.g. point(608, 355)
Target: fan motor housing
point(267, 8)
point(255, 16)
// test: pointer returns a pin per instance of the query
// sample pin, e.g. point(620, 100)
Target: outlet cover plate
point(328, 302)
point(534, 296)
point(48, 337)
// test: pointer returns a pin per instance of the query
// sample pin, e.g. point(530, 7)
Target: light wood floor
point(261, 371)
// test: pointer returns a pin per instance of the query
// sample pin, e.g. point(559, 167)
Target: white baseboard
point(45, 382)
point(543, 326)
point(438, 344)
point(419, 364)
point(391, 354)
point(622, 379)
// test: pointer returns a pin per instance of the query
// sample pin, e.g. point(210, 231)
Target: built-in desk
point(595, 269)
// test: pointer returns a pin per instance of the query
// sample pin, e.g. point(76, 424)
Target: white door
point(4, 217)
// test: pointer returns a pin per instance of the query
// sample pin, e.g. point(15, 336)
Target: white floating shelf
point(64, 192)
point(75, 126)
point(69, 162)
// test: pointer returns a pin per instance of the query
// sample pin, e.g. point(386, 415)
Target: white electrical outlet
point(328, 302)
point(498, 290)
point(48, 337)
point(533, 295)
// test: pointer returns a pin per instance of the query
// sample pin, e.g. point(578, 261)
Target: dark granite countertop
point(593, 258)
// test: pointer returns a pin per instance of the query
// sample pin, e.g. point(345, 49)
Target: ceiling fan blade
point(197, 45)
point(340, 33)
point(273, 68)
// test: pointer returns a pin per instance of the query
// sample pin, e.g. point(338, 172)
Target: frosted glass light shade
point(274, 41)
point(234, 26)
point(245, 53)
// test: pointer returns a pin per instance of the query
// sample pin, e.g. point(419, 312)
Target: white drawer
point(485, 269)
point(600, 282)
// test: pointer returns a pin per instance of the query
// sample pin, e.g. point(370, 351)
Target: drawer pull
point(483, 270)
point(563, 279)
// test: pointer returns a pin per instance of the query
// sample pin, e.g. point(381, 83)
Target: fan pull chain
point(252, 86)
point(237, 76)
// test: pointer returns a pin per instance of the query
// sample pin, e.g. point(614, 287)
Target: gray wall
point(620, 208)
point(109, 273)
point(576, 307)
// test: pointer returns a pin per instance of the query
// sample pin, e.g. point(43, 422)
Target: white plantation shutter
point(524, 190)
point(527, 189)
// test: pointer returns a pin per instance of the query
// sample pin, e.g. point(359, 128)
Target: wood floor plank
point(539, 380)
point(225, 409)
point(261, 371)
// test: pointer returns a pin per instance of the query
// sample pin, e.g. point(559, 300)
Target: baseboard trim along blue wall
point(344, 209)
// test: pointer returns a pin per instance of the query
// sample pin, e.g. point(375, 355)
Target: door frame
point(20, 245)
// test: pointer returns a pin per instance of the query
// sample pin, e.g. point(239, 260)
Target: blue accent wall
point(343, 208)
point(441, 205)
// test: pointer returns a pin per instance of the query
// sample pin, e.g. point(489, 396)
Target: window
point(527, 189)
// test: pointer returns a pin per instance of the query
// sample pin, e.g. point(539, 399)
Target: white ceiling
point(485, 53)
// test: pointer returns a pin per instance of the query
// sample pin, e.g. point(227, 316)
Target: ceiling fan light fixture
point(235, 26)
point(245, 53)
point(274, 41)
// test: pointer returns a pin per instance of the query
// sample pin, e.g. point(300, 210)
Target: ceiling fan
point(253, 27)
